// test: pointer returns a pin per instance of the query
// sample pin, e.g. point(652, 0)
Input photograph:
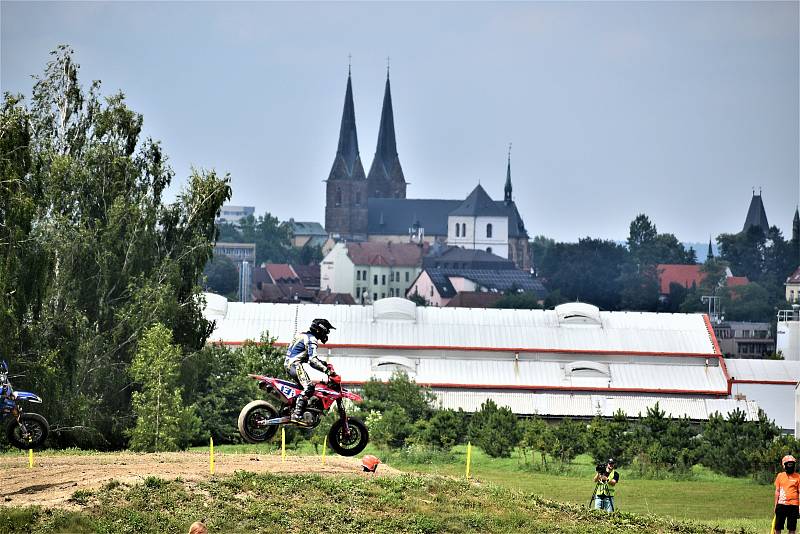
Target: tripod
point(594, 493)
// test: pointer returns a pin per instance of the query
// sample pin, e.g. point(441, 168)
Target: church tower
point(385, 179)
point(507, 197)
point(346, 186)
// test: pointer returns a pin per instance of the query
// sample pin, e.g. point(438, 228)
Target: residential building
point(303, 234)
point(233, 214)
point(440, 285)
point(374, 207)
point(371, 271)
point(793, 287)
point(744, 339)
point(787, 338)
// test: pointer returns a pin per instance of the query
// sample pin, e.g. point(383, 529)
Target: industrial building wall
point(775, 399)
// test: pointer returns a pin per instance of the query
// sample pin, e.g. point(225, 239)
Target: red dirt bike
point(259, 420)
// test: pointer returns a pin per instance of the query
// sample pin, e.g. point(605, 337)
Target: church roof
point(394, 216)
point(386, 254)
point(347, 163)
point(386, 164)
point(756, 215)
point(479, 203)
point(457, 257)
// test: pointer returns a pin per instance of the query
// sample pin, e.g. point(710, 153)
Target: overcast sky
point(676, 110)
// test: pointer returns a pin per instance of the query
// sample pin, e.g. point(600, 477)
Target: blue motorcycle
point(25, 430)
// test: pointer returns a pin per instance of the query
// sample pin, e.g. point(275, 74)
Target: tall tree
point(106, 256)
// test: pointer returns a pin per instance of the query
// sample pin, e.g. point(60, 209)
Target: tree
point(105, 257)
point(221, 275)
point(494, 430)
point(540, 248)
point(518, 301)
point(609, 439)
point(569, 440)
point(536, 436)
point(640, 289)
point(588, 271)
point(418, 299)
point(445, 429)
point(400, 391)
point(162, 422)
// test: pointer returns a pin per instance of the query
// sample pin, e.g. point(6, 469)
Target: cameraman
point(606, 479)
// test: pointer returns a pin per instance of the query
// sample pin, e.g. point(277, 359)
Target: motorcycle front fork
point(343, 416)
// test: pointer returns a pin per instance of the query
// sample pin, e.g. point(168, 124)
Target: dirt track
point(54, 479)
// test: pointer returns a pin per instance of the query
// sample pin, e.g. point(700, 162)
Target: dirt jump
point(54, 478)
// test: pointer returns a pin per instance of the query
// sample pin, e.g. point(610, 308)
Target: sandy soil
point(53, 479)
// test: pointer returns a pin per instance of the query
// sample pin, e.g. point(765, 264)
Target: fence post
point(469, 456)
point(324, 448)
point(211, 455)
point(30, 458)
point(283, 444)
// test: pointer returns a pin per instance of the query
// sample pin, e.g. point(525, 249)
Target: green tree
point(569, 440)
point(445, 429)
point(221, 275)
point(494, 430)
point(105, 257)
point(540, 248)
point(401, 392)
point(518, 301)
point(608, 438)
point(640, 289)
point(536, 437)
point(162, 421)
point(588, 271)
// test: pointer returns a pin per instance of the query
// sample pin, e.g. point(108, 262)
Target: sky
point(676, 110)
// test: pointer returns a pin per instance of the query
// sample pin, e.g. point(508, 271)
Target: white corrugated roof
point(763, 370)
point(583, 405)
point(378, 325)
point(691, 376)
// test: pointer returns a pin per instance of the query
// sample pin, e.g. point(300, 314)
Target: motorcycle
point(259, 420)
point(25, 430)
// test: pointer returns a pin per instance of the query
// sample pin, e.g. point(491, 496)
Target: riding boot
point(299, 408)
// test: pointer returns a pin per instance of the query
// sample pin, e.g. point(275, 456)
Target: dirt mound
point(54, 479)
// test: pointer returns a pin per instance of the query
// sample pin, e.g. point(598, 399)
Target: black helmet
point(319, 329)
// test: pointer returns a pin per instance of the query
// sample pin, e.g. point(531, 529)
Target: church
point(373, 207)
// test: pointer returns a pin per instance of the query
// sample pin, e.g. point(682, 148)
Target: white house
point(479, 223)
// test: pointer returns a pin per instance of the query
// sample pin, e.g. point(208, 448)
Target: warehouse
point(571, 361)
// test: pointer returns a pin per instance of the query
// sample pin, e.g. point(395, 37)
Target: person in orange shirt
point(787, 496)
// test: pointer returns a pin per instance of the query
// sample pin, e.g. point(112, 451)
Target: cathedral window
point(464, 229)
point(458, 230)
point(358, 198)
point(338, 197)
point(489, 230)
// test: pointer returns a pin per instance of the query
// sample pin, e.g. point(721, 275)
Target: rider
point(303, 349)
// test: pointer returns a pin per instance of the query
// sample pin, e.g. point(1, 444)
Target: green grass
point(248, 502)
point(706, 496)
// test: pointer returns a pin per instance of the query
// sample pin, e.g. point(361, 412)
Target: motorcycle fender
point(352, 396)
point(28, 396)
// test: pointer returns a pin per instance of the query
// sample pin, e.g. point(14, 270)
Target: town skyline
point(675, 111)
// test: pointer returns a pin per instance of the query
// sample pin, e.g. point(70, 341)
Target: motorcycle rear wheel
point(37, 427)
point(354, 442)
point(250, 419)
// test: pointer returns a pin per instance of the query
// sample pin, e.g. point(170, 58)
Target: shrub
point(494, 430)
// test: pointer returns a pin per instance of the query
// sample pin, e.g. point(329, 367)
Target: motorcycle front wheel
point(353, 442)
point(29, 432)
point(252, 421)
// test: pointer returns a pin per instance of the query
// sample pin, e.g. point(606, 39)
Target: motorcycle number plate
point(288, 391)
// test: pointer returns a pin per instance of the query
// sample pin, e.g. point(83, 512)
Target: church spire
point(796, 225)
point(507, 197)
point(710, 253)
point(756, 215)
point(385, 178)
point(347, 163)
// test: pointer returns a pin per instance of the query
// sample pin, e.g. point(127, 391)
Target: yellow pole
point(211, 455)
point(283, 444)
point(772, 529)
point(469, 456)
point(324, 448)
point(30, 458)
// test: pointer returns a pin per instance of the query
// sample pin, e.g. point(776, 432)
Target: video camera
point(600, 468)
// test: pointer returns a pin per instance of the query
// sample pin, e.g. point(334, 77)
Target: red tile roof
point(387, 254)
point(794, 278)
point(281, 272)
point(685, 275)
point(733, 281)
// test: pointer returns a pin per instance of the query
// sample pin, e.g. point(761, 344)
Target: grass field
point(255, 503)
point(437, 505)
point(709, 498)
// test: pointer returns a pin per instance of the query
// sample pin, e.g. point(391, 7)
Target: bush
point(569, 440)
point(610, 439)
point(444, 429)
point(494, 430)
